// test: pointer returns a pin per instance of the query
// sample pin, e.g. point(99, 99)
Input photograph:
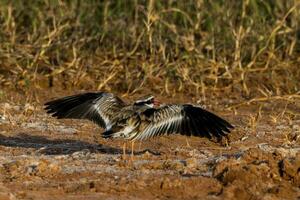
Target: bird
point(140, 120)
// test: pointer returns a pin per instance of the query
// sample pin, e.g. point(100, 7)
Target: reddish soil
point(45, 158)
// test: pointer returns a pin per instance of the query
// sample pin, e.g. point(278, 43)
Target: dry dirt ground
point(45, 158)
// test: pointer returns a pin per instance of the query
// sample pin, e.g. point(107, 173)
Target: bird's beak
point(156, 102)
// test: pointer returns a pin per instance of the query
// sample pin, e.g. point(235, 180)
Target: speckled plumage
point(140, 120)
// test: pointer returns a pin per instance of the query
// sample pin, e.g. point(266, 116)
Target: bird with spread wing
point(143, 119)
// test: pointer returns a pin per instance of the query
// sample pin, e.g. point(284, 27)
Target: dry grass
point(247, 47)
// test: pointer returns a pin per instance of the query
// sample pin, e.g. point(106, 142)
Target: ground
point(45, 158)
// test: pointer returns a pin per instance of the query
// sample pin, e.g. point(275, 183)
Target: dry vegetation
point(250, 47)
point(241, 55)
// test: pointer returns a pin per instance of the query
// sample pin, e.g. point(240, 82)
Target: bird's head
point(148, 100)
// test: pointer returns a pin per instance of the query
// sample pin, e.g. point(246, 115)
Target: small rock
point(280, 127)
point(2, 119)
point(82, 153)
point(65, 130)
point(244, 138)
point(32, 170)
point(265, 147)
point(296, 127)
point(260, 134)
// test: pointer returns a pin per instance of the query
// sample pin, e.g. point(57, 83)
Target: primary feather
point(98, 107)
point(184, 119)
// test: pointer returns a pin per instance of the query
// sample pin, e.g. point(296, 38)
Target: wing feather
point(184, 119)
point(99, 107)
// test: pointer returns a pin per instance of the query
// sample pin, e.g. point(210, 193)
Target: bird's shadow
point(47, 146)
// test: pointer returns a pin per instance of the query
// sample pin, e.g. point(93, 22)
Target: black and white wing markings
point(98, 107)
point(184, 119)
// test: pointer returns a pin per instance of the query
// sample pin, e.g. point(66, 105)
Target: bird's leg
point(140, 145)
point(132, 150)
point(187, 142)
point(124, 150)
point(227, 141)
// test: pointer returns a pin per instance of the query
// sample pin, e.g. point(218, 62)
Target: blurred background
point(247, 48)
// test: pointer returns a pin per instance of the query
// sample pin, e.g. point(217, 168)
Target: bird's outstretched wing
point(184, 119)
point(99, 107)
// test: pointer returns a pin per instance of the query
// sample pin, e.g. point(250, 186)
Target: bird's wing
point(184, 119)
point(98, 107)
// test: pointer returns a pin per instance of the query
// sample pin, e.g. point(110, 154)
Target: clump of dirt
point(258, 174)
point(27, 168)
point(290, 169)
